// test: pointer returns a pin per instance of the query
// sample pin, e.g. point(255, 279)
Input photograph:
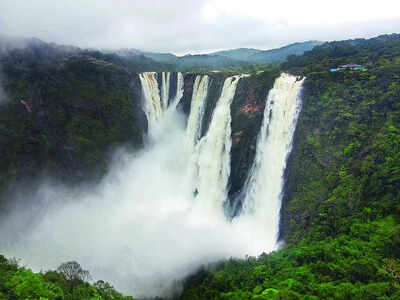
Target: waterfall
point(179, 90)
point(263, 190)
point(145, 200)
point(200, 89)
point(213, 153)
point(165, 79)
point(152, 104)
point(156, 102)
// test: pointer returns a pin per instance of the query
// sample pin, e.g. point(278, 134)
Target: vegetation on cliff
point(63, 114)
point(341, 209)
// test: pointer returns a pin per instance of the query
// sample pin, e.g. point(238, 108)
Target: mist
point(139, 229)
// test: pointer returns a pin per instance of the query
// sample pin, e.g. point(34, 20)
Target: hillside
point(239, 54)
point(225, 59)
point(269, 56)
point(64, 111)
point(341, 209)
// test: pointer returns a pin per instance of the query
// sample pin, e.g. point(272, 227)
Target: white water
point(213, 154)
point(179, 90)
point(165, 89)
point(142, 227)
point(156, 102)
point(200, 90)
point(265, 182)
point(152, 105)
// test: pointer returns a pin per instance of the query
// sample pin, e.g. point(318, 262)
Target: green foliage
point(345, 160)
point(77, 109)
point(24, 284)
point(20, 283)
point(351, 266)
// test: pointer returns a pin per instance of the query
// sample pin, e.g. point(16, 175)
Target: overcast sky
point(195, 26)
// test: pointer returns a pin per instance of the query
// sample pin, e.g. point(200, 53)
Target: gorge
point(178, 185)
point(258, 182)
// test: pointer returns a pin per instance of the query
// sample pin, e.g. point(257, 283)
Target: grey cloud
point(168, 26)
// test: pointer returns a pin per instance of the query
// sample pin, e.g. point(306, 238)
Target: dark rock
point(184, 104)
point(137, 102)
point(216, 84)
point(247, 112)
point(173, 84)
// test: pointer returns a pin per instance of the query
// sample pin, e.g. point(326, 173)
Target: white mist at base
point(141, 229)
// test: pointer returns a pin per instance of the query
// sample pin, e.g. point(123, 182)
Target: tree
point(73, 273)
point(25, 284)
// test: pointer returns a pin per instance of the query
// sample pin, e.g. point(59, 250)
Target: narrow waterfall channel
point(264, 186)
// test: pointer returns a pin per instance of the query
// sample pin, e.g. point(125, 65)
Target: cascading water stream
point(179, 91)
point(165, 76)
point(152, 104)
point(156, 99)
point(263, 190)
point(200, 90)
point(213, 153)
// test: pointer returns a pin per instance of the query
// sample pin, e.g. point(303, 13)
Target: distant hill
point(332, 54)
point(167, 58)
point(187, 62)
point(239, 54)
point(226, 58)
point(281, 54)
point(35, 47)
point(208, 61)
point(142, 60)
point(268, 56)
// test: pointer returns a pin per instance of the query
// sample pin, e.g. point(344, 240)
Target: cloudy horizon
point(182, 27)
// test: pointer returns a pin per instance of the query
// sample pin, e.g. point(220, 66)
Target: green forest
point(340, 216)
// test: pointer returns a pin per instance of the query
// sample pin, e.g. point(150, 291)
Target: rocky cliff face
point(247, 113)
point(188, 82)
point(214, 92)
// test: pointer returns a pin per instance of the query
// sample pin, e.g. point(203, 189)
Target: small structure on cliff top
point(352, 67)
